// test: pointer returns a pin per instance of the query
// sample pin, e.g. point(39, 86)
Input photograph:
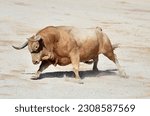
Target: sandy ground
point(125, 21)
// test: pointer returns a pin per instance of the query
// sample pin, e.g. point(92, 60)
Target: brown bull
point(63, 45)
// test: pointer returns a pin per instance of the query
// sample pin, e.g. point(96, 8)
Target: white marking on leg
point(120, 69)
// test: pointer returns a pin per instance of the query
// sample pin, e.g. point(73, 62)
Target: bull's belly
point(64, 61)
point(87, 54)
point(87, 58)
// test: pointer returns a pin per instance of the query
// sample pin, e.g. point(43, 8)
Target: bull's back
point(87, 42)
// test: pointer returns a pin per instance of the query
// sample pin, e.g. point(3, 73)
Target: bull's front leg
point(75, 60)
point(42, 67)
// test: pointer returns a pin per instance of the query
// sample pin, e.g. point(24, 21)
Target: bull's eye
point(35, 46)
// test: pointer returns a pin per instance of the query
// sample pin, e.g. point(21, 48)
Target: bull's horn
point(21, 47)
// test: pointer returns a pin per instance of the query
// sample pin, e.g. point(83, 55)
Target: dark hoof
point(35, 78)
point(95, 70)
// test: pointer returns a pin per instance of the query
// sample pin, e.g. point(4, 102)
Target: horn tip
point(14, 47)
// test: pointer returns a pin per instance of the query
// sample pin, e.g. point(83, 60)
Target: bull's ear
point(31, 38)
point(28, 39)
point(37, 37)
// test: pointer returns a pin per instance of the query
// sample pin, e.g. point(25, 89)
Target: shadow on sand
point(83, 74)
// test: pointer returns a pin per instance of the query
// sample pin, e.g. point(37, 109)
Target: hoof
point(123, 75)
point(35, 78)
point(79, 81)
point(95, 69)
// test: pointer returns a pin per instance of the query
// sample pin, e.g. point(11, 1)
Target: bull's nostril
point(35, 62)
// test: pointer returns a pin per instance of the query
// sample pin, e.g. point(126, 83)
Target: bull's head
point(35, 46)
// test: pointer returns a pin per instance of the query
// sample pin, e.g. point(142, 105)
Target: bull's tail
point(114, 46)
point(99, 28)
point(104, 41)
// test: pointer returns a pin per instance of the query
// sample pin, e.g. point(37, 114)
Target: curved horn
point(21, 47)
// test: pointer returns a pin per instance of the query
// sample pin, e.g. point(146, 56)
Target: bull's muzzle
point(35, 62)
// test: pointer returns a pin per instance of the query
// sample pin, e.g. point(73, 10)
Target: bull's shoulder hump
point(46, 29)
point(83, 33)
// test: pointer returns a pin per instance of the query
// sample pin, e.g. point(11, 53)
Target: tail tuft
point(114, 46)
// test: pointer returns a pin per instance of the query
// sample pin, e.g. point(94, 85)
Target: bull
point(63, 45)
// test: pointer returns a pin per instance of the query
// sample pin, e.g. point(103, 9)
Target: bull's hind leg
point(42, 67)
point(121, 70)
point(95, 64)
point(113, 58)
